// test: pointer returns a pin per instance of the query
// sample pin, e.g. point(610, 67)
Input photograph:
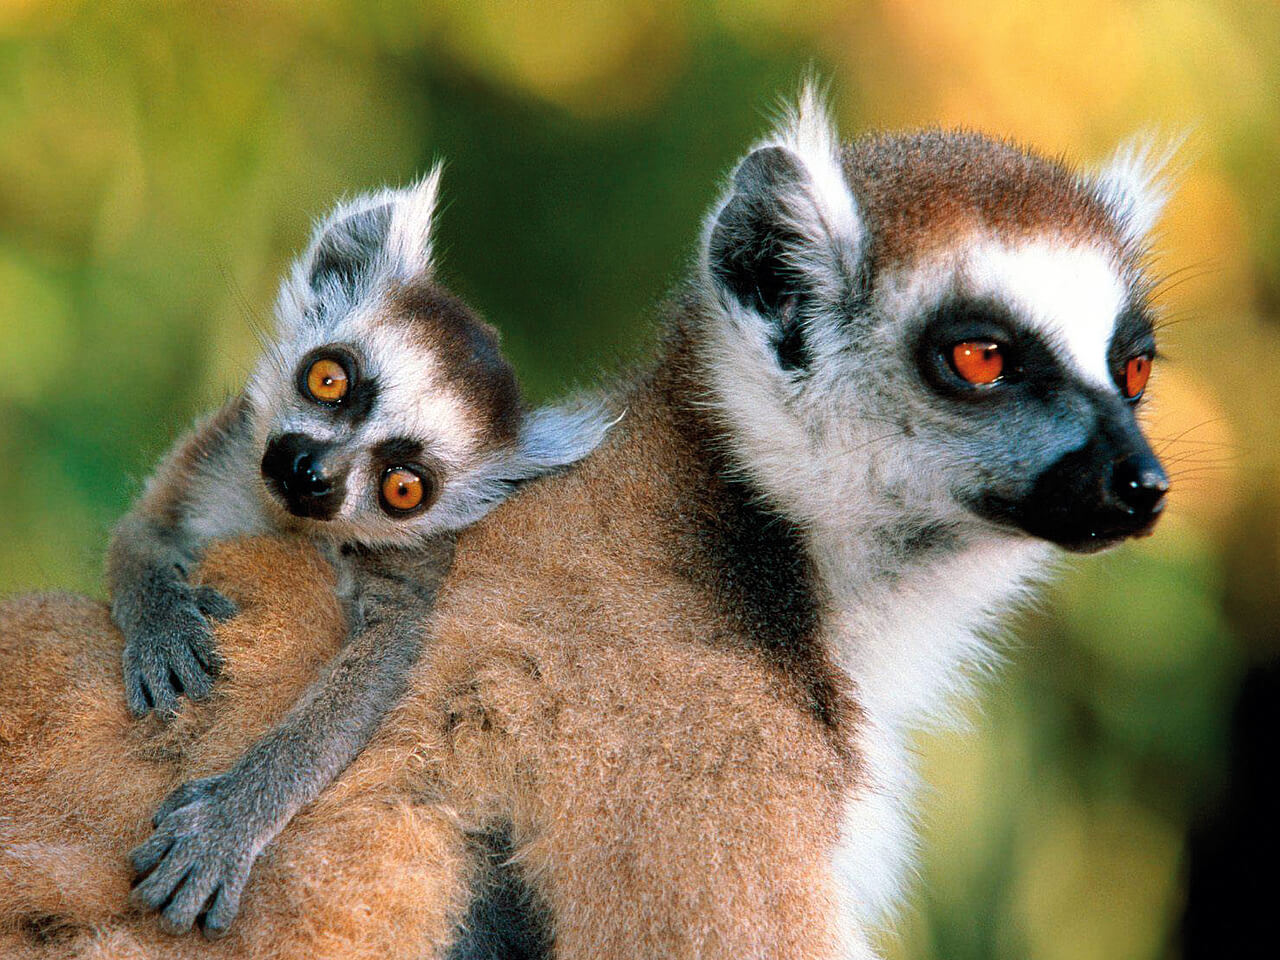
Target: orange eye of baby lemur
point(327, 380)
point(402, 490)
point(980, 362)
point(1136, 373)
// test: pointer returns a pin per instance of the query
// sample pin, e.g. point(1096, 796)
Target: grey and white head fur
point(428, 389)
point(836, 283)
point(841, 278)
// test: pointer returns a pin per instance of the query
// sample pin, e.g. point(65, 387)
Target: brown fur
point(672, 783)
point(966, 182)
point(469, 353)
point(81, 778)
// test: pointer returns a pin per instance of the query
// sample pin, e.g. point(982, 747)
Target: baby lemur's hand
point(169, 649)
point(195, 865)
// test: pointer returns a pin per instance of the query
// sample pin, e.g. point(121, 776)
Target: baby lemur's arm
point(210, 831)
point(169, 647)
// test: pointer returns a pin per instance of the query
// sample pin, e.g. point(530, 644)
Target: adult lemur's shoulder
point(904, 368)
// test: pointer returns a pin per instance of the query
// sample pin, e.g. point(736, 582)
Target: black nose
point(307, 477)
point(1139, 482)
point(1111, 488)
point(297, 470)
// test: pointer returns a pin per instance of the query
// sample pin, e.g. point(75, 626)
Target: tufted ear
point(550, 439)
point(556, 436)
point(377, 236)
point(1136, 180)
point(786, 241)
point(346, 247)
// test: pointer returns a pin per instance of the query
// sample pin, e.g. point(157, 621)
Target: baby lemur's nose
point(299, 471)
point(308, 477)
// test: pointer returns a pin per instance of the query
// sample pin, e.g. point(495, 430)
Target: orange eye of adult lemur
point(1136, 374)
point(402, 490)
point(327, 380)
point(979, 362)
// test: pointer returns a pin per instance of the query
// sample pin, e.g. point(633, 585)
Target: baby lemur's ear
point(785, 243)
point(556, 436)
point(550, 439)
point(377, 237)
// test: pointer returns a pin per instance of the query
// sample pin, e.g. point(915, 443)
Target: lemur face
point(376, 429)
point(1029, 363)
point(953, 322)
point(385, 411)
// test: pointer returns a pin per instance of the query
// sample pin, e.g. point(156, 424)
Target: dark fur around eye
point(1134, 336)
point(362, 394)
point(396, 451)
point(411, 454)
point(1029, 363)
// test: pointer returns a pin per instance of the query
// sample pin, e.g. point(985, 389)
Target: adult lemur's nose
point(1140, 483)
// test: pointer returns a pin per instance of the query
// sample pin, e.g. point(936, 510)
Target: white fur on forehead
point(1072, 294)
point(1136, 181)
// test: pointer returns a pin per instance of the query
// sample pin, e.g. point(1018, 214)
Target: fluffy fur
point(80, 783)
point(678, 681)
point(427, 391)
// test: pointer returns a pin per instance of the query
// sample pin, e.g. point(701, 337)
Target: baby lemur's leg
point(169, 647)
point(210, 831)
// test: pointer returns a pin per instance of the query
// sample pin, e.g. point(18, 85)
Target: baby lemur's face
point(385, 410)
point(963, 325)
point(390, 422)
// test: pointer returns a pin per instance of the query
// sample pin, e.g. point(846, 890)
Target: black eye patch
point(1134, 335)
point(397, 451)
point(1030, 364)
point(362, 396)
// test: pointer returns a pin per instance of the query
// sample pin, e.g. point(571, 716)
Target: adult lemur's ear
point(786, 241)
point(1135, 182)
point(378, 236)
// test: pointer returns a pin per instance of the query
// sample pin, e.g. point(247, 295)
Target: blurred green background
point(160, 162)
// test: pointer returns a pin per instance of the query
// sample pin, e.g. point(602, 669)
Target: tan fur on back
point(579, 690)
point(81, 779)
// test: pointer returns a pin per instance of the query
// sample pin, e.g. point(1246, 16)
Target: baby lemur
point(381, 420)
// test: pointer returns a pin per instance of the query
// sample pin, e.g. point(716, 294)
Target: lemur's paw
point(194, 866)
point(171, 651)
point(215, 605)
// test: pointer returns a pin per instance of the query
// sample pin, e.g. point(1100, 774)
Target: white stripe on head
point(1073, 294)
point(414, 396)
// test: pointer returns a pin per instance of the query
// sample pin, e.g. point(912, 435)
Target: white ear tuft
point(807, 131)
point(786, 240)
point(375, 237)
point(409, 237)
point(1136, 181)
